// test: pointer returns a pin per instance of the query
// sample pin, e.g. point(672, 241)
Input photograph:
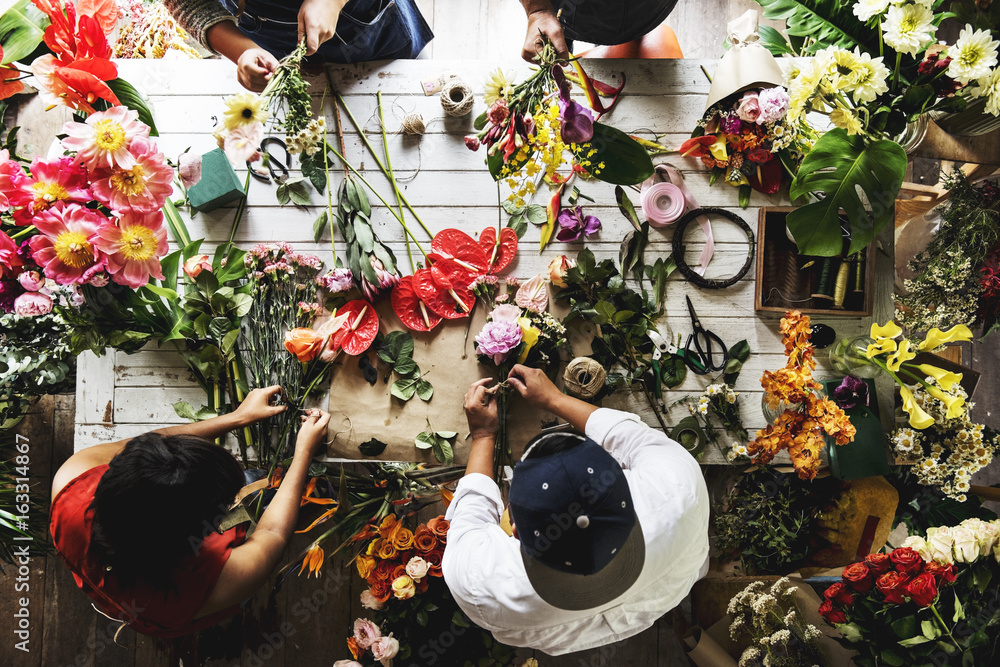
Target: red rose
point(942, 573)
point(858, 577)
point(878, 563)
point(893, 586)
point(906, 560)
point(840, 594)
point(831, 614)
point(922, 589)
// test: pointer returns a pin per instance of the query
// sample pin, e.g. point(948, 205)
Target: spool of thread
point(859, 272)
point(824, 286)
point(840, 287)
point(413, 123)
point(662, 203)
point(584, 378)
point(457, 98)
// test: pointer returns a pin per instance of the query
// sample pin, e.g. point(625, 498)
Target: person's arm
point(318, 22)
point(536, 388)
point(481, 411)
point(542, 22)
point(254, 65)
point(251, 563)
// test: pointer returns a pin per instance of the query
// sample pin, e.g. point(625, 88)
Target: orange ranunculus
point(355, 648)
point(365, 565)
point(304, 343)
point(403, 539)
point(313, 560)
point(381, 589)
point(439, 526)
point(424, 540)
point(385, 550)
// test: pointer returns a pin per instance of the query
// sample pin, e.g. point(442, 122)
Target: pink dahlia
point(103, 141)
point(498, 339)
point(50, 182)
point(143, 188)
point(133, 248)
point(65, 247)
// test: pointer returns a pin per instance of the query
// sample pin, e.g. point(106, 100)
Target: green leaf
point(518, 224)
point(905, 627)
point(774, 41)
point(959, 610)
point(535, 214)
point(851, 632)
point(626, 207)
point(229, 341)
point(21, 29)
point(914, 641)
point(298, 192)
point(131, 98)
point(424, 390)
point(365, 235)
point(403, 389)
point(406, 366)
point(738, 354)
point(625, 161)
point(443, 451)
point(422, 618)
point(823, 22)
point(314, 171)
point(480, 122)
point(425, 440)
point(398, 344)
point(320, 225)
point(836, 167)
point(372, 447)
point(929, 629)
point(673, 371)
point(447, 435)
point(890, 657)
point(282, 194)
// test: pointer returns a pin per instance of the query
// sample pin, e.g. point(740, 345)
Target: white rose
point(385, 649)
point(966, 549)
point(417, 568)
point(369, 601)
point(987, 535)
point(919, 545)
point(939, 544)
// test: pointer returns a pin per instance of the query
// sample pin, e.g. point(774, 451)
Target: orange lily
point(313, 560)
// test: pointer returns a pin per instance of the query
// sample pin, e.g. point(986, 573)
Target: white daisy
point(865, 9)
point(908, 28)
point(871, 76)
point(989, 87)
point(973, 55)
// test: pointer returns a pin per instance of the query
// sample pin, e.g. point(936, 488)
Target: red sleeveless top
point(147, 610)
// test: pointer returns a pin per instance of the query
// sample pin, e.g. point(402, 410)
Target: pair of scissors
point(277, 168)
point(702, 359)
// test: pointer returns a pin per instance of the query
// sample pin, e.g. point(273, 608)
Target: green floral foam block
point(219, 184)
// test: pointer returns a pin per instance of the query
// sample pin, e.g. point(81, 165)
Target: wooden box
point(784, 282)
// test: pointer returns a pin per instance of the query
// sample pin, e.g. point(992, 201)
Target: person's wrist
point(483, 435)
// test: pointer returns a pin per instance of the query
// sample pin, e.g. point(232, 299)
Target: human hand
point(541, 24)
point(257, 405)
point(254, 68)
point(533, 385)
point(318, 22)
point(481, 410)
point(312, 433)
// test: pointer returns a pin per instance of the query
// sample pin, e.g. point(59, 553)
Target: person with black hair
point(610, 528)
point(137, 521)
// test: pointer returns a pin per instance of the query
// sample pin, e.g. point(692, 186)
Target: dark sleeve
point(197, 16)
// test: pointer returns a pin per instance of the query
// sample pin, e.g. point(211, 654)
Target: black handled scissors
point(704, 358)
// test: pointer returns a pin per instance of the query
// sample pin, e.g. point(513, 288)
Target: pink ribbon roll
point(664, 198)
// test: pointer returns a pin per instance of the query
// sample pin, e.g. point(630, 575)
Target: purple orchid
point(851, 393)
point(577, 120)
point(573, 224)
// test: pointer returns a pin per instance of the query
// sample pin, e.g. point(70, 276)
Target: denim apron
point(366, 30)
point(611, 21)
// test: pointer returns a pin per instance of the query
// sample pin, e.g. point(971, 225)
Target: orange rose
point(403, 539)
point(381, 590)
point(388, 526)
point(424, 540)
point(383, 571)
point(434, 560)
point(365, 565)
point(399, 571)
point(304, 343)
point(439, 526)
point(385, 550)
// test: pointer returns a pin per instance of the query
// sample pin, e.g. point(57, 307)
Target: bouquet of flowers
point(750, 141)
point(807, 416)
point(150, 31)
point(721, 401)
point(530, 128)
point(778, 633)
point(927, 600)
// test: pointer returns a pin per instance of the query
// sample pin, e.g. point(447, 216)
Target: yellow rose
point(918, 418)
point(365, 565)
point(404, 588)
point(936, 338)
point(385, 549)
point(944, 378)
point(902, 354)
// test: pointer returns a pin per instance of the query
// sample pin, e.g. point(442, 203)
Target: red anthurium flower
point(766, 177)
point(105, 12)
point(697, 146)
point(411, 309)
point(456, 244)
point(359, 331)
point(451, 303)
point(499, 252)
point(77, 84)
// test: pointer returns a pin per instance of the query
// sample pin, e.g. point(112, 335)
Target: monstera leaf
point(824, 22)
point(837, 167)
point(21, 29)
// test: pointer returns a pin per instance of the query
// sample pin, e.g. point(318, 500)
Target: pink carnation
point(143, 188)
point(133, 248)
point(65, 247)
point(498, 339)
point(103, 141)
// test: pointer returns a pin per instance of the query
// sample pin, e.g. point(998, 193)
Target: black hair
point(547, 444)
point(159, 498)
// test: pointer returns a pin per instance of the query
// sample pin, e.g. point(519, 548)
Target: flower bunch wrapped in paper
point(807, 415)
point(533, 129)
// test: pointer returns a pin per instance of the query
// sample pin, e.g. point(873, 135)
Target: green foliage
point(396, 351)
point(624, 160)
point(923, 507)
point(21, 28)
point(372, 447)
point(814, 25)
point(130, 97)
point(354, 221)
point(34, 360)
point(520, 216)
point(439, 441)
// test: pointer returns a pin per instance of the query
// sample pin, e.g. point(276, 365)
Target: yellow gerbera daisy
point(497, 85)
point(244, 109)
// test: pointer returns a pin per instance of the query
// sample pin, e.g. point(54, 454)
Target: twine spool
point(584, 378)
point(413, 123)
point(457, 98)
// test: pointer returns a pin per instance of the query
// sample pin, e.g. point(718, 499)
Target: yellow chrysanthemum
point(497, 85)
point(244, 109)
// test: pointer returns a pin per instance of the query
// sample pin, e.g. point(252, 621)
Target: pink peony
point(773, 103)
point(31, 281)
point(50, 183)
point(385, 649)
point(65, 247)
point(498, 339)
point(10, 261)
point(366, 633)
point(103, 141)
point(32, 304)
point(189, 166)
point(11, 174)
point(133, 248)
point(369, 601)
point(748, 108)
point(507, 312)
point(195, 264)
point(143, 188)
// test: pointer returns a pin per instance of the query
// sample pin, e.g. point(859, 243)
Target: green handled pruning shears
point(663, 346)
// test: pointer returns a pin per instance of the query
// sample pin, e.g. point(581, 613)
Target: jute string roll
point(584, 378)
point(413, 123)
point(457, 98)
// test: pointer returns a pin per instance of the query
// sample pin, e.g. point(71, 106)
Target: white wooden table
point(120, 395)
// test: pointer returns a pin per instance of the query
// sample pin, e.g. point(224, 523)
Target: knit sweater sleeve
point(197, 16)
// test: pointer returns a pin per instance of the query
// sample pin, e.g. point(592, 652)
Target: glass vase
point(972, 121)
point(772, 414)
point(847, 356)
point(914, 134)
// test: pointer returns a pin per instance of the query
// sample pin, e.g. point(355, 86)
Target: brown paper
point(705, 652)
point(746, 65)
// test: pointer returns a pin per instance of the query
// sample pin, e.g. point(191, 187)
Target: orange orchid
point(313, 560)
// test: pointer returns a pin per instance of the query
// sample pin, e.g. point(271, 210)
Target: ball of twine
point(584, 378)
point(413, 123)
point(457, 98)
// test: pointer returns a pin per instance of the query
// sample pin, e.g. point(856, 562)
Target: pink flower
point(366, 633)
point(385, 649)
point(49, 183)
point(189, 166)
point(773, 104)
point(385, 279)
point(103, 141)
point(731, 124)
point(505, 313)
point(194, 265)
point(748, 108)
point(99, 279)
point(10, 175)
point(133, 248)
point(9, 291)
point(241, 144)
point(498, 112)
point(10, 261)
point(369, 601)
point(347, 663)
point(417, 568)
point(32, 304)
point(472, 142)
point(336, 281)
point(65, 247)
point(498, 339)
point(31, 281)
point(533, 295)
point(142, 188)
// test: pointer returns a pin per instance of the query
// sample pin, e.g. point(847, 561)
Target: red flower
point(831, 614)
point(858, 577)
point(878, 563)
point(8, 72)
point(922, 589)
point(893, 586)
point(906, 560)
point(766, 177)
point(840, 594)
point(697, 146)
point(760, 155)
point(942, 573)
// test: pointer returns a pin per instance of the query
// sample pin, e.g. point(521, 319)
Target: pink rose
point(507, 312)
point(32, 304)
point(196, 264)
point(748, 108)
point(385, 649)
point(366, 633)
point(417, 568)
point(31, 281)
point(369, 601)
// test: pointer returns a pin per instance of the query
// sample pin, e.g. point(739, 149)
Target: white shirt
point(483, 569)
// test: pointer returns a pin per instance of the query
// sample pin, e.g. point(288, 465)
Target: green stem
point(944, 627)
point(392, 177)
point(176, 224)
point(240, 210)
point(329, 186)
point(24, 232)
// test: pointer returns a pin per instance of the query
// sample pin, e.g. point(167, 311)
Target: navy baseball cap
point(581, 541)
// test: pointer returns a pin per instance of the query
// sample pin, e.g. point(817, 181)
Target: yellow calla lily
point(918, 418)
point(944, 378)
point(718, 149)
point(901, 355)
point(953, 403)
point(884, 345)
point(889, 330)
point(936, 338)
point(529, 336)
